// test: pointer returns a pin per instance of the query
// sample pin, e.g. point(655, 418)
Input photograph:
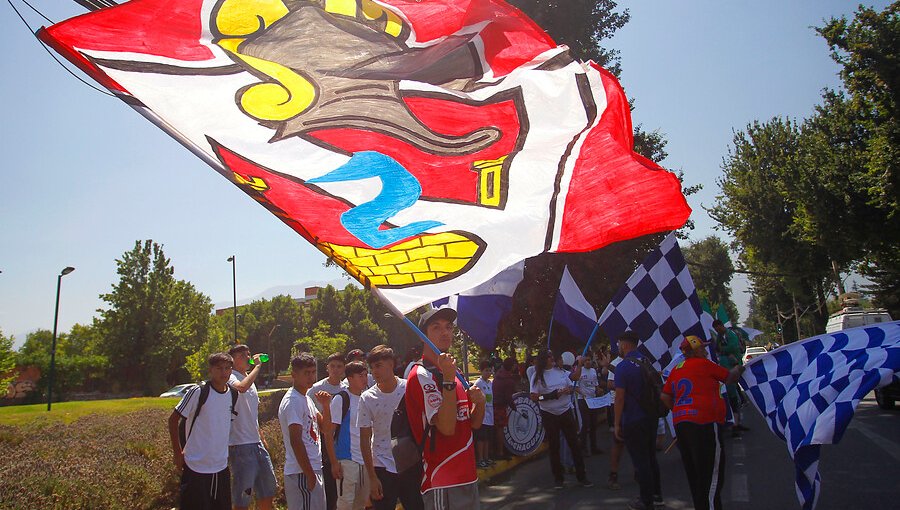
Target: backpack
point(651, 389)
point(204, 395)
point(345, 407)
point(406, 450)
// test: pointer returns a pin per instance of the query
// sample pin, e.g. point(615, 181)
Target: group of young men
point(362, 436)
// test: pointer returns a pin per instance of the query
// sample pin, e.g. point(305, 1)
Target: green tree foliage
point(801, 198)
point(7, 360)
point(75, 370)
point(579, 24)
point(868, 117)
point(322, 342)
point(153, 321)
point(712, 270)
point(759, 207)
point(218, 340)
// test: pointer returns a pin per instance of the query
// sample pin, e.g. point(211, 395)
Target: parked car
point(888, 395)
point(752, 352)
point(178, 391)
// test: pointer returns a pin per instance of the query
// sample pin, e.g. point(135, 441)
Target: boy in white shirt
point(301, 426)
point(248, 457)
point(484, 434)
point(202, 452)
point(377, 406)
point(352, 487)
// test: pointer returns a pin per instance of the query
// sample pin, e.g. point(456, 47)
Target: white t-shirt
point(376, 410)
point(337, 406)
point(245, 427)
point(206, 449)
point(324, 385)
point(554, 379)
point(587, 385)
point(299, 409)
point(487, 387)
point(612, 374)
point(529, 373)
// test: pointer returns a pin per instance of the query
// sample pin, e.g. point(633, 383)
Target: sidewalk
point(502, 466)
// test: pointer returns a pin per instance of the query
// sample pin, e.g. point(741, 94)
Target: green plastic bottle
point(263, 358)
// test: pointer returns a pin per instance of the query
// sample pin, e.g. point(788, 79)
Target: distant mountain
point(296, 291)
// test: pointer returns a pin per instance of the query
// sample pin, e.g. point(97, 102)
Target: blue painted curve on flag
point(399, 190)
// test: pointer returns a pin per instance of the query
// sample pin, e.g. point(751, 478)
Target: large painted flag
point(423, 146)
point(658, 303)
point(808, 391)
point(572, 310)
point(480, 310)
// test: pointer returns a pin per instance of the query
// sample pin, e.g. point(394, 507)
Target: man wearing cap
point(693, 393)
point(442, 416)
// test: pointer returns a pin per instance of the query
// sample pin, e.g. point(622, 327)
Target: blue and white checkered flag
point(659, 303)
point(808, 390)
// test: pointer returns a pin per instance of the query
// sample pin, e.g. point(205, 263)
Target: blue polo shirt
point(628, 377)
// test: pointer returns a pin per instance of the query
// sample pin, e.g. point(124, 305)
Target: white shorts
point(299, 497)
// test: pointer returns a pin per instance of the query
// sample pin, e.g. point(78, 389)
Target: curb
point(502, 466)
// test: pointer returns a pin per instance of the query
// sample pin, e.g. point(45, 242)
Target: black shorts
point(484, 433)
point(205, 491)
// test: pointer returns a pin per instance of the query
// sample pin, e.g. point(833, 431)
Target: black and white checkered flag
point(658, 303)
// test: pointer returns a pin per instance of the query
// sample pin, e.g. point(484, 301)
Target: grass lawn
point(67, 412)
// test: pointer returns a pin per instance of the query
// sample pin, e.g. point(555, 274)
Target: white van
point(854, 317)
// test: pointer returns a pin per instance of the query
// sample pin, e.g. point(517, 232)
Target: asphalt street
point(862, 472)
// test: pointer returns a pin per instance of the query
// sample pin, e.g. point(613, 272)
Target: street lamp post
point(62, 273)
point(271, 353)
point(234, 292)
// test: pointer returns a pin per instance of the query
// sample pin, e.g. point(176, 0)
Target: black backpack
point(651, 389)
point(204, 395)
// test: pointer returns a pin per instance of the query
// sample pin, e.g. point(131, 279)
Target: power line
point(34, 33)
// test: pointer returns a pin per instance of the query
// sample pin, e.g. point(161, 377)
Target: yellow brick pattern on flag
point(417, 261)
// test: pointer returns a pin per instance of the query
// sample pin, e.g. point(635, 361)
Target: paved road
point(862, 472)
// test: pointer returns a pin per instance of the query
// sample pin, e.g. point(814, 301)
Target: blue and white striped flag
point(572, 310)
point(659, 304)
point(808, 390)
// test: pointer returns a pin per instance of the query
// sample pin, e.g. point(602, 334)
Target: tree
point(322, 343)
point(712, 270)
point(579, 24)
point(759, 207)
point(73, 371)
point(153, 321)
point(7, 360)
point(218, 340)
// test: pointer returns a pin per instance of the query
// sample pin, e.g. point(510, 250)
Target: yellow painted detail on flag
point(240, 18)
point(373, 11)
point(287, 97)
point(490, 172)
point(254, 182)
point(416, 261)
point(342, 7)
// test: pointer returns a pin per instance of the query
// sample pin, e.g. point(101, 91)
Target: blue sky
point(85, 176)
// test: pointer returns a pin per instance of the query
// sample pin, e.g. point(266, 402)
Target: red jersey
point(451, 460)
point(694, 386)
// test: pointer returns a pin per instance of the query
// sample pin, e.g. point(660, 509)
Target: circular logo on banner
point(524, 432)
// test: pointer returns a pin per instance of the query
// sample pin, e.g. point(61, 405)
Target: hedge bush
point(105, 461)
